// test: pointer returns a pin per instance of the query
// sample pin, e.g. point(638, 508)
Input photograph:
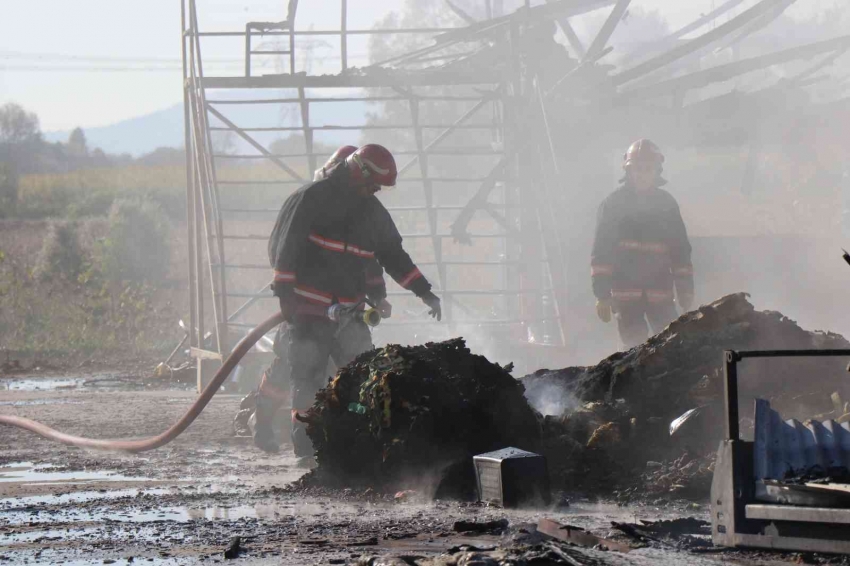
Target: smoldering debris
point(628, 401)
point(413, 417)
point(541, 552)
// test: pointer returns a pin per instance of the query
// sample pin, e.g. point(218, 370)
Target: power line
point(95, 58)
point(50, 57)
point(36, 68)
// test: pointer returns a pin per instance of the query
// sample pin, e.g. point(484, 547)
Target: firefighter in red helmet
point(641, 250)
point(376, 288)
point(338, 157)
point(327, 236)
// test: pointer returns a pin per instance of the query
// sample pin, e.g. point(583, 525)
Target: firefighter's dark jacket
point(329, 245)
point(641, 248)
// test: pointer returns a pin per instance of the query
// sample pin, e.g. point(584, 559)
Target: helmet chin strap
point(364, 171)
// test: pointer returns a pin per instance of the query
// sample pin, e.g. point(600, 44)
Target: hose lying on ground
point(177, 428)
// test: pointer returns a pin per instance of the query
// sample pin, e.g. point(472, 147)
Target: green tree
point(17, 126)
point(20, 143)
point(61, 257)
point(77, 145)
point(137, 248)
point(8, 188)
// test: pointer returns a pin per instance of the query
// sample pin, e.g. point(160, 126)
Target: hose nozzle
point(372, 317)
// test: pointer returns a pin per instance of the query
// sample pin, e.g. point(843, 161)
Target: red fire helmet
point(338, 157)
point(643, 150)
point(372, 163)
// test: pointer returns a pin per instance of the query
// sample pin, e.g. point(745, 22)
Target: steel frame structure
point(211, 266)
point(514, 183)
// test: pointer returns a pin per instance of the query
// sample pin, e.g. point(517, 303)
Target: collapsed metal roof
point(785, 448)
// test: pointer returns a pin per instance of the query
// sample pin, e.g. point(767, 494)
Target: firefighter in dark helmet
point(641, 251)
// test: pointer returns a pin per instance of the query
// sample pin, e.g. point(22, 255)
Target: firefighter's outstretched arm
point(683, 270)
point(400, 267)
point(602, 263)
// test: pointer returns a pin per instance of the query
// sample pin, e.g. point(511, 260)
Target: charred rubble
point(412, 417)
point(625, 425)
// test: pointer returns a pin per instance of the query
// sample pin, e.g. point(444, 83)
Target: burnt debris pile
point(410, 416)
point(654, 414)
point(640, 424)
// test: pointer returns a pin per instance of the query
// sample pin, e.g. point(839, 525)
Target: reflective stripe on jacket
point(330, 245)
point(641, 248)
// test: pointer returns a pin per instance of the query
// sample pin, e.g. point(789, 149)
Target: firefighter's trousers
point(632, 318)
point(310, 342)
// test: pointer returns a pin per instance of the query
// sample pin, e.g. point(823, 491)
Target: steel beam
point(422, 159)
point(343, 35)
point(750, 15)
point(572, 37)
point(190, 186)
point(436, 141)
point(607, 30)
point(667, 41)
point(468, 20)
point(211, 207)
point(558, 8)
point(374, 80)
point(731, 70)
point(756, 25)
point(478, 200)
point(256, 145)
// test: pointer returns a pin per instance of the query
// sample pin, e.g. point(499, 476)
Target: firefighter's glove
point(385, 308)
point(603, 310)
point(686, 302)
point(433, 303)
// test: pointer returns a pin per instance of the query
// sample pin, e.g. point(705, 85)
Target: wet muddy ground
point(183, 503)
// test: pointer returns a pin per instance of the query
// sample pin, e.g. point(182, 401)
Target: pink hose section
point(177, 428)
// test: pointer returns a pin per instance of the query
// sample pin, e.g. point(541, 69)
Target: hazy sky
point(68, 60)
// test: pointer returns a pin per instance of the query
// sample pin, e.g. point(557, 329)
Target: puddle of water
point(29, 473)
point(126, 516)
point(39, 402)
point(40, 383)
point(259, 511)
point(100, 382)
point(71, 516)
point(78, 497)
point(45, 535)
point(36, 516)
point(122, 562)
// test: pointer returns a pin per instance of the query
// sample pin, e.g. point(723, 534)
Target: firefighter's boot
point(261, 425)
point(301, 443)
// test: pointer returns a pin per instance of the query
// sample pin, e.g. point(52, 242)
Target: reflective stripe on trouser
point(632, 320)
point(311, 342)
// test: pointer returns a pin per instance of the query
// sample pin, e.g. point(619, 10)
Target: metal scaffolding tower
point(498, 279)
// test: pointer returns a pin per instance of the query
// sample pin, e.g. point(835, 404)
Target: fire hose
point(153, 442)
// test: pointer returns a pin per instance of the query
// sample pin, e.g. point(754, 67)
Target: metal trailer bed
point(737, 518)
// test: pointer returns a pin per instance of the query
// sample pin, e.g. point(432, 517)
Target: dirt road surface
point(184, 503)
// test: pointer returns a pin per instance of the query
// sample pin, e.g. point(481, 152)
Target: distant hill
point(164, 128)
